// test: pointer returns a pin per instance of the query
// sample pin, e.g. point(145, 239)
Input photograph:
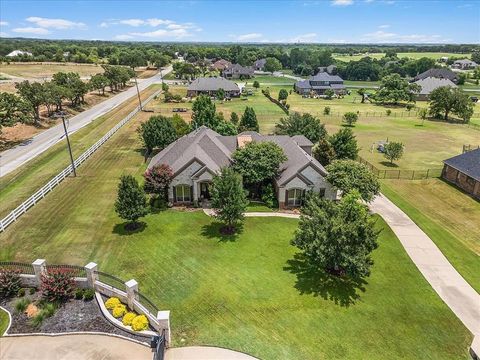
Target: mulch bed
point(74, 315)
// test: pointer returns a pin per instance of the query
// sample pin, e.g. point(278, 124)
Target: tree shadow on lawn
point(122, 229)
point(311, 280)
point(212, 231)
point(389, 164)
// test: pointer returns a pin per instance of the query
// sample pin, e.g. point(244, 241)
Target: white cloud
point(163, 33)
point(385, 26)
point(248, 37)
point(157, 22)
point(104, 25)
point(166, 28)
point(132, 22)
point(3, 34)
point(31, 30)
point(390, 37)
point(123, 37)
point(3, 23)
point(55, 23)
point(342, 2)
point(309, 37)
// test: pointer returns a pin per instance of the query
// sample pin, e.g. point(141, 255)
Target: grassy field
point(4, 320)
point(268, 79)
point(251, 292)
point(44, 70)
point(447, 215)
point(20, 184)
point(414, 55)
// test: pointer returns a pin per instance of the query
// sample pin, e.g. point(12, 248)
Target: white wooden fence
point(40, 194)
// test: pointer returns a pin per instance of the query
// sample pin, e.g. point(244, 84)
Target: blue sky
point(335, 21)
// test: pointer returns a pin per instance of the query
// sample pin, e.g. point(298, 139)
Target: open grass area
point(4, 320)
point(46, 70)
point(447, 215)
point(18, 185)
point(251, 292)
point(269, 79)
point(258, 206)
point(411, 55)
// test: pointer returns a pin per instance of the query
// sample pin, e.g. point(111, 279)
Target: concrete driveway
point(72, 347)
point(205, 353)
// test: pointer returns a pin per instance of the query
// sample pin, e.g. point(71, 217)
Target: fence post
point(428, 170)
point(398, 174)
point(91, 269)
point(413, 174)
point(39, 268)
point(131, 287)
point(163, 318)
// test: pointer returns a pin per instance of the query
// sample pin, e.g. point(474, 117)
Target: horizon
point(340, 22)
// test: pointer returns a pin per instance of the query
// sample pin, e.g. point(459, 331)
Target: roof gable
point(467, 163)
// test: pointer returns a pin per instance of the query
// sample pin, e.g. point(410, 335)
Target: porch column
point(163, 318)
point(131, 287)
point(195, 191)
point(92, 276)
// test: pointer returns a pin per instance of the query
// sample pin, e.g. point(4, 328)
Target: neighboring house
point(19, 53)
point(238, 71)
point(211, 85)
point(441, 73)
point(259, 64)
point(464, 171)
point(221, 65)
point(330, 69)
point(464, 64)
point(319, 84)
point(196, 157)
point(429, 84)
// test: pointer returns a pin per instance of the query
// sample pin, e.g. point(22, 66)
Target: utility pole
point(68, 146)
point(138, 92)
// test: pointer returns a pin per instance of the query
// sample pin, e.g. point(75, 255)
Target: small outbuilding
point(464, 171)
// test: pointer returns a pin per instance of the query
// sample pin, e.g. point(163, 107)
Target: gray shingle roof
point(467, 163)
point(442, 73)
point(260, 62)
point(430, 83)
point(239, 69)
point(324, 76)
point(213, 84)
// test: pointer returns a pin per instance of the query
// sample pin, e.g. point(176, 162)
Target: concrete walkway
point(205, 353)
point(211, 212)
point(460, 297)
point(71, 347)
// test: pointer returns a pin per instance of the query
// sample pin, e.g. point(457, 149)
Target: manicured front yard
point(4, 320)
point(251, 292)
point(447, 215)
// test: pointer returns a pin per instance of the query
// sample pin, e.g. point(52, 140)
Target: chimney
point(243, 140)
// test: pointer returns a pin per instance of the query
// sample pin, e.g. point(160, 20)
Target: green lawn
point(268, 79)
point(4, 321)
point(411, 55)
point(20, 184)
point(251, 292)
point(447, 215)
point(256, 206)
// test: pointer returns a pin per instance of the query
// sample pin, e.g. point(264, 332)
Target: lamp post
point(62, 115)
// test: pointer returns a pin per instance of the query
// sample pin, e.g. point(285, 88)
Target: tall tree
point(349, 175)
point(157, 132)
point(272, 64)
point(131, 203)
point(345, 144)
point(282, 94)
point(157, 180)
point(33, 95)
point(13, 109)
point(395, 89)
point(234, 118)
point(228, 199)
point(301, 124)
point(393, 151)
point(98, 82)
point(249, 120)
point(350, 118)
point(363, 93)
point(445, 100)
point(337, 237)
point(203, 113)
point(324, 152)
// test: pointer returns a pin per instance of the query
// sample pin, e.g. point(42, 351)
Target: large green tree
point(324, 152)
point(131, 203)
point(393, 151)
point(33, 96)
point(228, 199)
point(445, 100)
point(301, 124)
point(157, 180)
point(248, 122)
point(349, 175)
point(344, 144)
point(157, 132)
point(203, 113)
point(394, 89)
point(272, 64)
point(337, 237)
point(13, 109)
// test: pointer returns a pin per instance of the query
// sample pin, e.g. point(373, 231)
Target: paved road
point(452, 288)
point(72, 347)
point(13, 158)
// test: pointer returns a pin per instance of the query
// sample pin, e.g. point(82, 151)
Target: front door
point(205, 190)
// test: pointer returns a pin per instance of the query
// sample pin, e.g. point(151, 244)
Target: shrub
point(32, 291)
point(350, 118)
point(389, 112)
point(326, 110)
point(10, 282)
point(88, 294)
point(112, 302)
point(128, 318)
point(21, 305)
point(139, 323)
point(119, 311)
point(37, 320)
point(21, 293)
point(79, 294)
point(268, 196)
point(48, 309)
point(58, 285)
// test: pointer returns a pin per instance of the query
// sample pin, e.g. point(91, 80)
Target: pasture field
point(447, 215)
point(40, 71)
point(411, 55)
point(250, 292)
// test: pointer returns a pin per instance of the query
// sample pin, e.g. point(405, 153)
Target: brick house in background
point(238, 71)
point(464, 171)
point(221, 65)
point(320, 83)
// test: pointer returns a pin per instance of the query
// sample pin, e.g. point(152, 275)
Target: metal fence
point(74, 270)
point(160, 348)
point(401, 174)
point(149, 305)
point(40, 194)
point(110, 280)
point(23, 268)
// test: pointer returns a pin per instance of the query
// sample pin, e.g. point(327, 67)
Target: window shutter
point(191, 194)
point(174, 194)
point(286, 197)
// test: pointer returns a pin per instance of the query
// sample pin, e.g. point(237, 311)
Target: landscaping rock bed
point(72, 316)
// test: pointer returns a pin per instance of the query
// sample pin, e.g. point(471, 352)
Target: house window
point(183, 193)
point(294, 197)
point(322, 192)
